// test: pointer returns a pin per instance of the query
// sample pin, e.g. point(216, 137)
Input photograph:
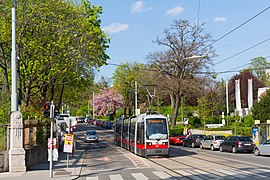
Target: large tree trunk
point(61, 95)
point(52, 90)
point(172, 100)
point(27, 93)
point(175, 111)
point(44, 92)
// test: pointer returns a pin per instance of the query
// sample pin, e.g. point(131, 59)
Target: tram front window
point(156, 129)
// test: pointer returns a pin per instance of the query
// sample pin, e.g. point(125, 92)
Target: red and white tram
point(144, 135)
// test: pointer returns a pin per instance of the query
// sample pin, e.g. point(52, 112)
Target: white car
point(262, 149)
point(212, 142)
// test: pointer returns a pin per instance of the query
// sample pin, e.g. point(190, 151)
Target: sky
point(134, 25)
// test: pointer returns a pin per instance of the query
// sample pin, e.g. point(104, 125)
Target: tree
point(261, 109)
point(259, 67)
point(175, 65)
point(60, 45)
point(124, 81)
point(243, 77)
point(107, 101)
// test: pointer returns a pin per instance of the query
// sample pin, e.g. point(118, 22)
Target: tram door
point(140, 139)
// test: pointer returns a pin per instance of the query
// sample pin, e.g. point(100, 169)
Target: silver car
point(212, 142)
point(262, 149)
point(91, 136)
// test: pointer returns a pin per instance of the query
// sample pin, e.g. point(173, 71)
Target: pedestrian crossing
point(194, 174)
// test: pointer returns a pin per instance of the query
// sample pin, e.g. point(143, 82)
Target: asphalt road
point(105, 161)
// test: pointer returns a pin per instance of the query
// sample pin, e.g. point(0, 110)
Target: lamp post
point(16, 150)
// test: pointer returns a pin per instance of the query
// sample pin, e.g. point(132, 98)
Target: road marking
point(139, 176)
point(92, 178)
point(163, 175)
point(191, 176)
point(116, 177)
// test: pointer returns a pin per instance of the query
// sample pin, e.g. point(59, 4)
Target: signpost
point(68, 145)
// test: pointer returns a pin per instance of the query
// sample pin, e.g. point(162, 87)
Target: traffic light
point(47, 108)
point(57, 111)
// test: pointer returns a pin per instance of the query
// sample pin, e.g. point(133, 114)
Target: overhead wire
point(242, 51)
point(239, 26)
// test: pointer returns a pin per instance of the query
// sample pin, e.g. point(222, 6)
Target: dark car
point(176, 139)
point(193, 140)
point(237, 144)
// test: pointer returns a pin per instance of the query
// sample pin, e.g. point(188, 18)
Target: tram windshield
point(156, 129)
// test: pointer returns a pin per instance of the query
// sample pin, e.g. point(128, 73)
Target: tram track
point(207, 173)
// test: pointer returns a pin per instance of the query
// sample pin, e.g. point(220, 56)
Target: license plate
point(158, 151)
point(248, 144)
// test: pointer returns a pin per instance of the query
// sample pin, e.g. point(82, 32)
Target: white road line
point(163, 175)
point(116, 177)
point(139, 176)
point(191, 176)
point(92, 178)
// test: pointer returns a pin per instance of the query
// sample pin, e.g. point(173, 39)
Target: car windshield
point(220, 137)
point(244, 139)
point(91, 133)
point(156, 129)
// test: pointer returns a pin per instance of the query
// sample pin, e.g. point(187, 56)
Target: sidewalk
point(41, 171)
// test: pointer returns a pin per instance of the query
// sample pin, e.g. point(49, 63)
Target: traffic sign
point(185, 120)
point(68, 143)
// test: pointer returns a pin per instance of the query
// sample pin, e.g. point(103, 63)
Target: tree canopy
point(60, 44)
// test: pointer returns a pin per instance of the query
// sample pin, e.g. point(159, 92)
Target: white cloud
point(175, 11)
point(220, 19)
point(139, 7)
point(115, 27)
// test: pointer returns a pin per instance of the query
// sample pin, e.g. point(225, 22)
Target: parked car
point(91, 136)
point(237, 144)
point(212, 142)
point(262, 149)
point(193, 140)
point(98, 122)
point(80, 119)
point(176, 139)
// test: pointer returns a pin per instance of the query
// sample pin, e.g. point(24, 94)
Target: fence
point(35, 135)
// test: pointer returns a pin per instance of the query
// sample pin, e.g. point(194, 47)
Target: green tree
point(124, 81)
point(261, 109)
point(206, 108)
point(60, 45)
point(258, 66)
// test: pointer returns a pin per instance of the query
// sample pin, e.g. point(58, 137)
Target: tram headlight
point(149, 144)
point(165, 143)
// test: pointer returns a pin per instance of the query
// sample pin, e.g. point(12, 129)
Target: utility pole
point(93, 106)
point(136, 99)
point(227, 101)
point(16, 150)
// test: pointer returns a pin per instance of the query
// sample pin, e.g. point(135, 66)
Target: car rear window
point(244, 139)
point(91, 133)
point(220, 137)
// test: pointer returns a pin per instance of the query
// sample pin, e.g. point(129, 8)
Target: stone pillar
point(16, 151)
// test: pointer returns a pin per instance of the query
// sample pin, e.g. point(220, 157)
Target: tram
point(144, 134)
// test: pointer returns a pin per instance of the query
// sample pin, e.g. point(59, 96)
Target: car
point(193, 140)
point(176, 139)
point(236, 144)
point(91, 136)
point(80, 119)
point(212, 142)
point(262, 149)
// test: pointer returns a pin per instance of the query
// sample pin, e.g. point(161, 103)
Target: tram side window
point(140, 133)
point(132, 131)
